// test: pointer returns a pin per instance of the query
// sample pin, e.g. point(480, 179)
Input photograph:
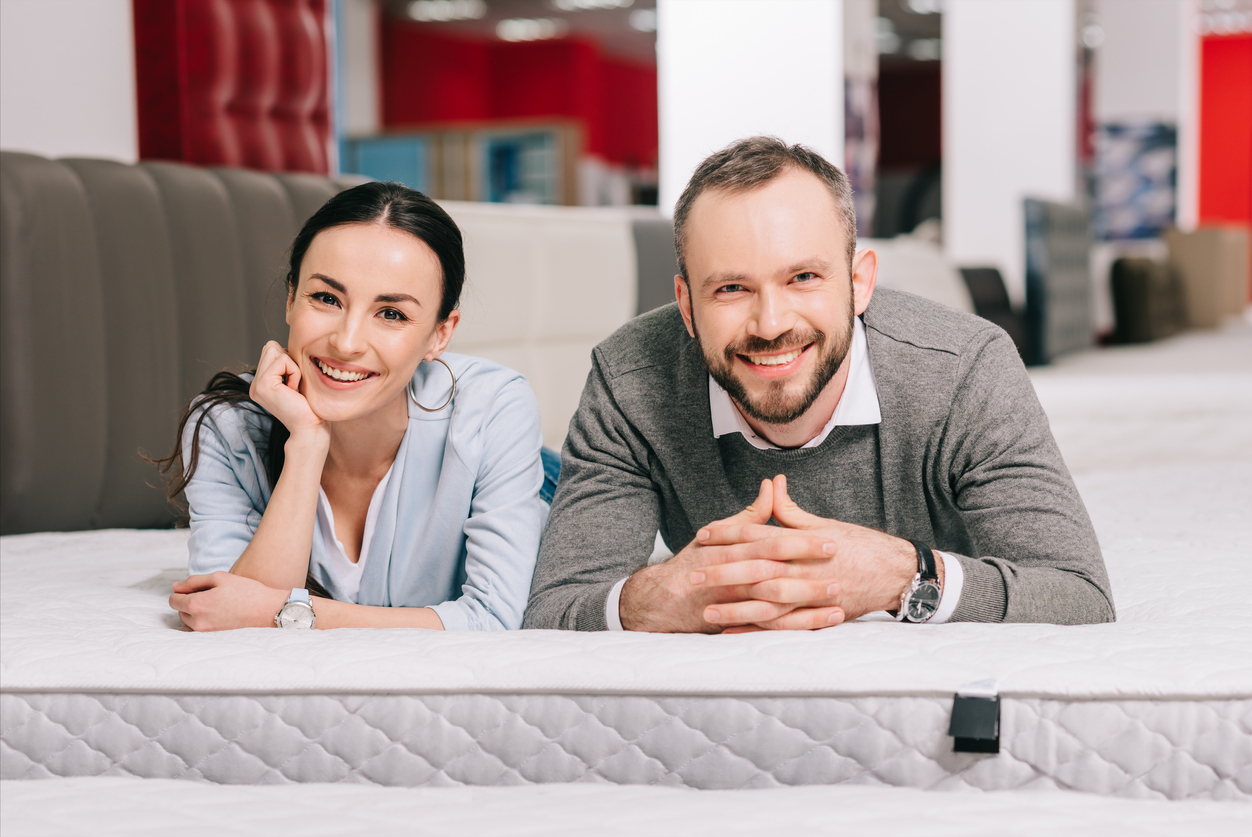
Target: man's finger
point(820, 592)
point(744, 613)
point(750, 571)
point(721, 533)
point(760, 511)
point(788, 513)
point(806, 619)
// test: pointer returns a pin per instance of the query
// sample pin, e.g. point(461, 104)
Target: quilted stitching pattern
point(1138, 749)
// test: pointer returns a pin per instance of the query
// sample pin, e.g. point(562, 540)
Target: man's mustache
point(787, 340)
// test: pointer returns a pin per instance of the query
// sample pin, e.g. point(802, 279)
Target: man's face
point(770, 298)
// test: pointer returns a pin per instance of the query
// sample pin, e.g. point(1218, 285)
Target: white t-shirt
point(348, 572)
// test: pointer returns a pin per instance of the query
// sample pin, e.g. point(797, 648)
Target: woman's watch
point(297, 612)
point(921, 598)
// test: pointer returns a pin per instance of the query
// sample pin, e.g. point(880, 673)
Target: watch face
point(296, 615)
point(923, 601)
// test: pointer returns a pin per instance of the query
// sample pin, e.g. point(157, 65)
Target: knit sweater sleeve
point(1037, 558)
point(604, 518)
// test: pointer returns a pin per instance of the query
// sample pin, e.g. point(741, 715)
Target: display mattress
point(95, 678)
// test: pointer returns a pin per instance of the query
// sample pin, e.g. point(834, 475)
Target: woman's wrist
point(313, 443)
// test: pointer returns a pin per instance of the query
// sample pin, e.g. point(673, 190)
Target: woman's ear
point(443, 333)
point(291, 300)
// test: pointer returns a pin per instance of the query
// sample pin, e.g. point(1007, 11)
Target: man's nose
point(771, 315)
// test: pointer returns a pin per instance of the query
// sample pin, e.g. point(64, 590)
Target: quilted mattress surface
point(97, 680)
point(115, 807)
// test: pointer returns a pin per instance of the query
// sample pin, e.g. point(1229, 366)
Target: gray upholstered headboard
point(123, 288)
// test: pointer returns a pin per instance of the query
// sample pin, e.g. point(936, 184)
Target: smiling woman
point(402, 485)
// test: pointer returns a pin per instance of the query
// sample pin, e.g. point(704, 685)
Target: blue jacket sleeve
point(228, 491)
point(506, 517)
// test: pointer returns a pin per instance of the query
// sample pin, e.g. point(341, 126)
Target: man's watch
point(297, 612)
point(920, 599)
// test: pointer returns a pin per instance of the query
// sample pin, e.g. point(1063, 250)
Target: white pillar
point(729, 69)
point(67, 78)
point(1009, 113)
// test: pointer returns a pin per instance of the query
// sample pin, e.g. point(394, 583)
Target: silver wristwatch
point(920, 599)
point(297, 612)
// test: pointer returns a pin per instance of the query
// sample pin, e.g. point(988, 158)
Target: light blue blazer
point(458, 531)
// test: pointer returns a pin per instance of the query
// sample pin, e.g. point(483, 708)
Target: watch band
point(925, 562)
point(299, 594)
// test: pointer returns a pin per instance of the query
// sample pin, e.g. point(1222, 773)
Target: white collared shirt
point(858, 405)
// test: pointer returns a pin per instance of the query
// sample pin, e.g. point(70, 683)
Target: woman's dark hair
point(390, 204)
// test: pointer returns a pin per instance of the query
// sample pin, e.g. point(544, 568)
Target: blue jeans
point(551, 473)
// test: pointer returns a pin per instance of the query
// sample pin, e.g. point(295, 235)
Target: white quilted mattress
point(96, 680)
point(116, 807)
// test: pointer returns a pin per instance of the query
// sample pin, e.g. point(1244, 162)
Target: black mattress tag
point(975, 724)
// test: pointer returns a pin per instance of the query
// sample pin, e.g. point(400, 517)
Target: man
point(896, 445)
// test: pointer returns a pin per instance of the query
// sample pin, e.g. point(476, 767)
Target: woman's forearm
point(278, 555)
point(334, 614)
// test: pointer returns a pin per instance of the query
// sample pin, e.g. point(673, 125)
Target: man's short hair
point(751, 163)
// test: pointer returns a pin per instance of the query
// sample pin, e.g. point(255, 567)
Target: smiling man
point(812, 449)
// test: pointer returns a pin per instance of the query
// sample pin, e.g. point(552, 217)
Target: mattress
point(117, 807)
point(96, 680)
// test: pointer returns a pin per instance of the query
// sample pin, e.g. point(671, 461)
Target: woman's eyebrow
point(397, 298)
point(339, 286)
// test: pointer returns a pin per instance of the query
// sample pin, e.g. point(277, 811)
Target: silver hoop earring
point(451, 395)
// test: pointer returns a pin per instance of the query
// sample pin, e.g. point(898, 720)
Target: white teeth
point(775, 360)
point(340, 374)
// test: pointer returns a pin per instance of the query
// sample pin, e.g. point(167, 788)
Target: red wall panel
point(233, 82)
point(630, 113)
point(1226, 129)
point(428, 78)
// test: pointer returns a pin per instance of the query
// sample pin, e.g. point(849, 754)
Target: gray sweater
point(963, 460)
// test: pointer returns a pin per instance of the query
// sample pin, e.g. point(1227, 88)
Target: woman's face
point(363, 316)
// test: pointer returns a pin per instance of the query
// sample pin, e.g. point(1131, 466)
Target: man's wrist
point(904, 566)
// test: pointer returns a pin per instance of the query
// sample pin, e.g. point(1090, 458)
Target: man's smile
point(776, 364)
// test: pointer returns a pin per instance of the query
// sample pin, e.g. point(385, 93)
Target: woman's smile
point(342, 374)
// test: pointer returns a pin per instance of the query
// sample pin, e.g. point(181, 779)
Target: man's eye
point(393, 315)
point(805, 277)
point(729, 289)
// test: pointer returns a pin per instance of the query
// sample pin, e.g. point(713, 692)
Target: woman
point(403, 483)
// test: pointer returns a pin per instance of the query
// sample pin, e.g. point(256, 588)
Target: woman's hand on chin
point(222, 601)
point(276, 387)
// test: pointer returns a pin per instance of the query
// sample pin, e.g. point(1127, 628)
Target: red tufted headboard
point(234, 82)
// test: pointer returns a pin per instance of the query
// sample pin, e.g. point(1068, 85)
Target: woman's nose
point(348, 337)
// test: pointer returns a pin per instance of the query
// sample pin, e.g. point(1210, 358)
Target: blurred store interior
point(1079, 171)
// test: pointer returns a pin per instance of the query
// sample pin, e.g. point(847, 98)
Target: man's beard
point(777, 406)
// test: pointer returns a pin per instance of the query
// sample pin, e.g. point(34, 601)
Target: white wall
point(1147, 68)
point(357, 37)
point(67, 78)
point(729, 69)
point(1136, 72)
point(1009, 111)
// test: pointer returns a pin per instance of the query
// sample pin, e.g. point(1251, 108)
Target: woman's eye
point(324, 298)
point(393, 315)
